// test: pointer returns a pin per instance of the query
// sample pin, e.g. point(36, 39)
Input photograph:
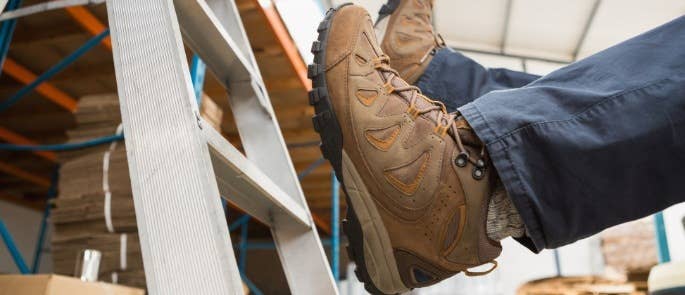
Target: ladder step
point(247, 186)
point(218, 49)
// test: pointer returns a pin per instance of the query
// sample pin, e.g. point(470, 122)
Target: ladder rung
point(205, 35)
point(243, 183)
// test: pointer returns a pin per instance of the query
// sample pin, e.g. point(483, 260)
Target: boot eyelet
point(478, 173)
point(480, 163)
point(462, 159)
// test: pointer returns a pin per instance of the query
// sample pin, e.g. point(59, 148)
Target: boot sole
point(370, 242)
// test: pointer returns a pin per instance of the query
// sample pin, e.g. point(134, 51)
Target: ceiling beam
point(586, 29)
point(505, 27)
point(462, 49)
point(50, 92)
point(268, 10)
point(89, 22)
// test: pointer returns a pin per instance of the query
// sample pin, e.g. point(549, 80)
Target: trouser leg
point(456, 79)
point(594, 144)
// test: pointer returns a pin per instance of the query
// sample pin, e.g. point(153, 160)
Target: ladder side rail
point(185, 242)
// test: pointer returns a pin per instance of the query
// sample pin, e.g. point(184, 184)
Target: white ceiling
point(541, 30)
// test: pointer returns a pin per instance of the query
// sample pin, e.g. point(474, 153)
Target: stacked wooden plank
point(588, 285)
point(91, 215)
point(630, 250)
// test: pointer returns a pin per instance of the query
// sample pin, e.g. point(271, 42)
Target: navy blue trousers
point(591, 145)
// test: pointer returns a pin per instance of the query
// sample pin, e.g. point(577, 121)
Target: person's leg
point(417, 182)
point(405, 29)
point(455, 79)
point(594, 144)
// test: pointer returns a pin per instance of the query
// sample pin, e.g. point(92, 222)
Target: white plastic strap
point(108, 212)
point(122, 251)
point(105, 182)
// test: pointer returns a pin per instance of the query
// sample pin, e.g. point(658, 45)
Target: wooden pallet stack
point(630, 251)
point(587, 285)
point(84, 216)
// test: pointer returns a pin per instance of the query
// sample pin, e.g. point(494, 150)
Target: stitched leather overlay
point(383, 139)
point(407, 178)
point(367, 96)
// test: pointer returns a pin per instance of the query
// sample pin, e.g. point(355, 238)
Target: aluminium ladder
point(179, 165)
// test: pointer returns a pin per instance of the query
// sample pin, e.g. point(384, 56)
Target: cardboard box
point(59, 285)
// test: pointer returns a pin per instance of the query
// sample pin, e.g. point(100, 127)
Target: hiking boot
point(416, 178)
point(405, 29)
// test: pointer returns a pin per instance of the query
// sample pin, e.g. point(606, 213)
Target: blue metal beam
point(197, 76)
point(661, 239)
point(6, 31)
point(62, 146)
point(557, 262)
point(12, 248)
point(239, 222)
point(250, 285)
point(242, 250)
point(61, 65)
point(335, 228)
point(311, 168)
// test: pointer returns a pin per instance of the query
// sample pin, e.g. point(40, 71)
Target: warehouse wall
point(675, 231)
point(23, 224)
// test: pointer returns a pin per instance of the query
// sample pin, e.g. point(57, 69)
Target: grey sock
point(503, 218)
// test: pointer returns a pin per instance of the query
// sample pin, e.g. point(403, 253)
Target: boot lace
point(445, 122)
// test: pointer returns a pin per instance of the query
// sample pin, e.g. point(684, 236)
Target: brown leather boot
point(405, 28)
point(416, 177)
